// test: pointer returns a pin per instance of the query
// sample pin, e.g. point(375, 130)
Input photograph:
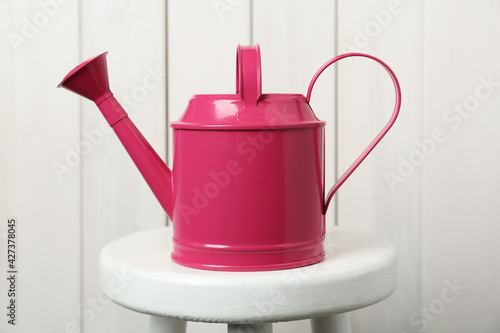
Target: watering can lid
point(248, 109)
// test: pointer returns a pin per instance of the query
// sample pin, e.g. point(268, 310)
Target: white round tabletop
point(136, 272)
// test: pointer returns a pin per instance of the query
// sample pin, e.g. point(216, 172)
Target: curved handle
point(375, 141)
point(248, 81)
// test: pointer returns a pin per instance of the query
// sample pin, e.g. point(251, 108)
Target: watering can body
point(248, 193)
point(246, 189)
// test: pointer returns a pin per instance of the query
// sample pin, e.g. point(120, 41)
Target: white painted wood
point(292, 51)
point(35, 129)
point(365, 102)
point(359, 272)
point(116, 200)
point(166, 325)
point(460, 194)
point(250, 328)
point(335, 323)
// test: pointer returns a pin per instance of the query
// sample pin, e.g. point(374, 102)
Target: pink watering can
point(246, 191)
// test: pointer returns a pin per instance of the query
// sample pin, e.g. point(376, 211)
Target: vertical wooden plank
point(296, 38)
point(301, 39)
point(116, 200)
point(371, 199)
point(202, 40)
point(39, 40)
point(461, 182)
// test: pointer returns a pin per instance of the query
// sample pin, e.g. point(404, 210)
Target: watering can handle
point(379, 136)
point(248, 81)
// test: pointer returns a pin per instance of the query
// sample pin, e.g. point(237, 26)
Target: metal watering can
point(246, 190)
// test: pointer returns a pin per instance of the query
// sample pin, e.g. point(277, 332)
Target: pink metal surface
point(258, 204)
point(246, 192)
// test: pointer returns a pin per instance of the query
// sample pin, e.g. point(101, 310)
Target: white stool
point(359, 270)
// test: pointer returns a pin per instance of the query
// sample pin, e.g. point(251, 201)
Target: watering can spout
point(90, 80)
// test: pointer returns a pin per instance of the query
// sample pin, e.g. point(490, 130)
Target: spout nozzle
point(89, 79)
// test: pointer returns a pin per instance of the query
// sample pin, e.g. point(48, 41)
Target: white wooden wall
point(431, 186)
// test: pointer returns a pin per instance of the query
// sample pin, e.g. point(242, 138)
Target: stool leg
point(335, 323)
point(250, 328)
point(166, 325)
